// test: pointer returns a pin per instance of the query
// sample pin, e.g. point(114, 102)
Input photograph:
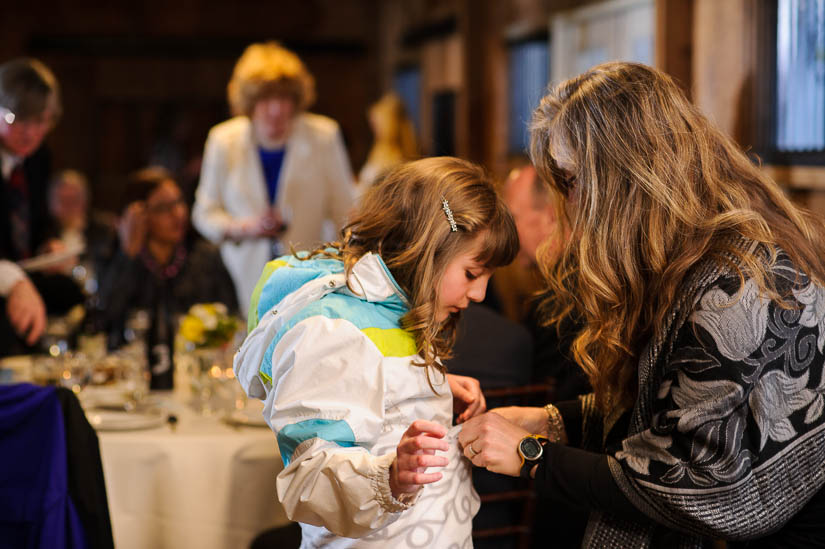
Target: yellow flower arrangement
point(208, 325)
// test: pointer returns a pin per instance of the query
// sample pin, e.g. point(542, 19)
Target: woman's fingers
point(491, 441)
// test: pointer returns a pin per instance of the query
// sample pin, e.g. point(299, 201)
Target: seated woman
point(159, 268)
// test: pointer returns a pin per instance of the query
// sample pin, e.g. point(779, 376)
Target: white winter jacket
point(335, 370)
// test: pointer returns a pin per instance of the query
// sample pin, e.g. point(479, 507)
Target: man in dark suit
point(29, 108)
point(533, 210)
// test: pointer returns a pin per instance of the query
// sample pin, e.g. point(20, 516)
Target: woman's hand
point(414, 454)
point(133, 228)
point(491, 441)
point(270, 224)
point(26, 311)
point(267, 225)
point(468, 400)
point(529, 418)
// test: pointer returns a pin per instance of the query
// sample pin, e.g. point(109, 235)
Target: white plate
point(44, 261)
point(19, 365)
point(245, 419)
point(112, 397)
point(106, 420)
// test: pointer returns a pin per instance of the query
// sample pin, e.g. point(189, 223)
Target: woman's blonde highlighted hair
point(266, 70)
point(651, 188)
point(401, 219)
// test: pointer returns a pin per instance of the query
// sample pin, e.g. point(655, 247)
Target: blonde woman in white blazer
point(236, 204)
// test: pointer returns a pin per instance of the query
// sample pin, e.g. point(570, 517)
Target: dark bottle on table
point(159, 344)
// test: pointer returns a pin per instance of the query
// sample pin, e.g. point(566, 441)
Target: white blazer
point(316, 185)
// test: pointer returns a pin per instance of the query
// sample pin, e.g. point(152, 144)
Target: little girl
point(345, 345)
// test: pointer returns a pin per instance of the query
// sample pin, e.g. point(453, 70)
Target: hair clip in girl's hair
point(449, 213)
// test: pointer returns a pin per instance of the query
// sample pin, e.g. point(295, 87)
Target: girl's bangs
point(501, 244)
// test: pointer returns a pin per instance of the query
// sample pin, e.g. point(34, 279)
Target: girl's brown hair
point(401, 219)
point(651, 188)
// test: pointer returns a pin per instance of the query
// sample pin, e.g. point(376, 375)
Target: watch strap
point(528, 464)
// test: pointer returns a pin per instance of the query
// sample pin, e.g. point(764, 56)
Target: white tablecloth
point(204, 485)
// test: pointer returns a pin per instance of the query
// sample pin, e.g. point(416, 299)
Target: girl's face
point(464, 280)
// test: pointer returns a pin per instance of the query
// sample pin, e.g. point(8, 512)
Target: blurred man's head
point(29, 105)
point(69, 199)
point(533, 211)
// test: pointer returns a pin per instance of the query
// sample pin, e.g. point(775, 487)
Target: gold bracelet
point(555, 425)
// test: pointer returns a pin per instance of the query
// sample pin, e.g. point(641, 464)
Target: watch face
point(530, 448)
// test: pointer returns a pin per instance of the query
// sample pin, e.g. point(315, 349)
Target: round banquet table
point(202, 484)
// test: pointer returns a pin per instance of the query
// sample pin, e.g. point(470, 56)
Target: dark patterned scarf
point(727, 436)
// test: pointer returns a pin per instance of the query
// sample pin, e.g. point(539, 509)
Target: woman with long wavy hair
point(700, 290)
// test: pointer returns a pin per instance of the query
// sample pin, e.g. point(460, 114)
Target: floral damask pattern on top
point(727, 435)
point(737, 326)
point(741, 364)
point(813, 315)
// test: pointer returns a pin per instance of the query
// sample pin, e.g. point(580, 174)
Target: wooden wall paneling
point(604, 31)
point(674, 40)
point(724, 64)
point(123, 65)
point(487, 81)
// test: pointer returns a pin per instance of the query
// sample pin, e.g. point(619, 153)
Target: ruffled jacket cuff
point(380, 479)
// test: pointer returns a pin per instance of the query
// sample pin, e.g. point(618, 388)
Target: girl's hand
point(414, 454)
point(468, 400)
point(491, 441)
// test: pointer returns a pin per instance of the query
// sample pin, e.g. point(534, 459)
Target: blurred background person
point(68, 203)
point(29, 108)
point(534, 212)
point(159, 268)
point(395, 140)
point(77, 227)
point(274, 174)
point(529, 201)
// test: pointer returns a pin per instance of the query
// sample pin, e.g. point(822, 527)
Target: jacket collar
point(371, 280)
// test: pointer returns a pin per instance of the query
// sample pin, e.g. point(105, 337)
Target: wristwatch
point(530, 448)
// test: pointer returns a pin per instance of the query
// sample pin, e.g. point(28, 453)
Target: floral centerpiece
point(206, 335)
point(208, 325)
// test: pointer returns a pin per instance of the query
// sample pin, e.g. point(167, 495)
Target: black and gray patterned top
point(727, 437)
